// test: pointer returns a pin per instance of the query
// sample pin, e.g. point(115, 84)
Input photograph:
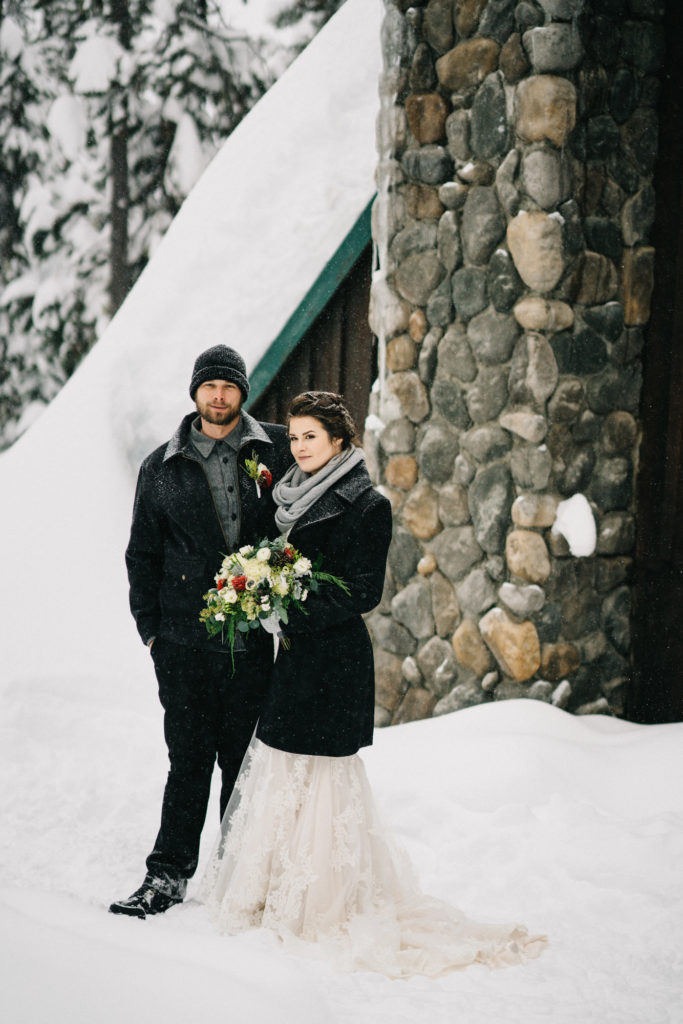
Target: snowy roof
point(271, 212)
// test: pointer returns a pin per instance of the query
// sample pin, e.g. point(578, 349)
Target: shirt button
point(230, 489)
point(225, 460)
point(233, 516)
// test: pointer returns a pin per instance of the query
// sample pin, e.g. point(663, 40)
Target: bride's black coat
point(321, 700)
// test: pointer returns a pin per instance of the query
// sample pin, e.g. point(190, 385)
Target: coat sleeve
point(144, 560)
point(365, 560)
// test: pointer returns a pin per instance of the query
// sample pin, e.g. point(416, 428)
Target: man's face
point(218, 401)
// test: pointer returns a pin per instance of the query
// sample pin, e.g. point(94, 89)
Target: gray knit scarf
point(297, 491)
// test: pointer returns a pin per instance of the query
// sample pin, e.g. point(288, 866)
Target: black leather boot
point(155, 896)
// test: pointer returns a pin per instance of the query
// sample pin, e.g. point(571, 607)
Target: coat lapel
point(337, 499)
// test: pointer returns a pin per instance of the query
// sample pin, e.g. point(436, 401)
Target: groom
point(195, 502)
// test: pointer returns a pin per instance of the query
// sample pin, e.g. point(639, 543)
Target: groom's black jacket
point(177, 543)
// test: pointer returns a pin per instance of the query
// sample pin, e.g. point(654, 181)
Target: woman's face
point(312, 447)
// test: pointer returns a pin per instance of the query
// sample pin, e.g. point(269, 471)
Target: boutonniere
point(258, 472)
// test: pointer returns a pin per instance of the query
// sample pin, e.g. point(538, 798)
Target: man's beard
point(219, 417)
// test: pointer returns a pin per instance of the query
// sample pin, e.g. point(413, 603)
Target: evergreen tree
point(109, 110)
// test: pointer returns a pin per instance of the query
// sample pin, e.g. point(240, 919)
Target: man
point(196, 502)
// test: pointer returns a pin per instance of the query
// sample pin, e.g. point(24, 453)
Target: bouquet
point(256, 585)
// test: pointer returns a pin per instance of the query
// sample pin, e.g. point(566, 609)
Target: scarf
point(297, 491)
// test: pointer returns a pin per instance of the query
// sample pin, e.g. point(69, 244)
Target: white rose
point(302, 566)
point(219, 617)
point(263, 555)
point(247, 549)
point(232, 597)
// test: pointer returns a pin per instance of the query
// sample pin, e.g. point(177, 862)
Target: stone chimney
point(515, 201)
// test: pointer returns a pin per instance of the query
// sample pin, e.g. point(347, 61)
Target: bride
point(302, 850)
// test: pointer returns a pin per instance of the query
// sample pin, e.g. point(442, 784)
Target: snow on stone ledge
point(575, 522)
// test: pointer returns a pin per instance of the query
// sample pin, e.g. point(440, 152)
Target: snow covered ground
point(513, 811)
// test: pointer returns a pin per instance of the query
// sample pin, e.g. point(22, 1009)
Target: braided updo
point(329, 409)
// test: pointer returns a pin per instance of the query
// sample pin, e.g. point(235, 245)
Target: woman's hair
point(329, 409)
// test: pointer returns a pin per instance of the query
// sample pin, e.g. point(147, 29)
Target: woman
point(302, 850)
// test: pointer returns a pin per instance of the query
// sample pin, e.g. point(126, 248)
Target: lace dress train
point(302, 852)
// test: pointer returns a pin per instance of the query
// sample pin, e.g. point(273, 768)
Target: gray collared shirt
point(219, 458)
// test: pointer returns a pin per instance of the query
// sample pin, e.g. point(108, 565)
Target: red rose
point(266, 478)
point(239, 582)
point(220, 584)
point(289, 554)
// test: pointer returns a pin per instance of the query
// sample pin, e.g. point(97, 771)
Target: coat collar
point(181, 444)
point(335, 500)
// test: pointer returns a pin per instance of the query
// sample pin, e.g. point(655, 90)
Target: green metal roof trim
point(313, 303)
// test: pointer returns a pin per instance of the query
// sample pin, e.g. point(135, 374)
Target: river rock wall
point(517, 146)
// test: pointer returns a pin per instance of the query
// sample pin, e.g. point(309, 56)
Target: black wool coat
point(321, 698)
point(177, 543)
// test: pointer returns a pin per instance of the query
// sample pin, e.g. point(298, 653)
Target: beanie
point(220, 363)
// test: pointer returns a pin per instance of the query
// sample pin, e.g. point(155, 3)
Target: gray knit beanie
point(220, 363)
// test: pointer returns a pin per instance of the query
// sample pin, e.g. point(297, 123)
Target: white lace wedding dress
point(302, 852)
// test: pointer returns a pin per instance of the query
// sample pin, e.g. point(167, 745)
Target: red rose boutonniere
point(259, 473)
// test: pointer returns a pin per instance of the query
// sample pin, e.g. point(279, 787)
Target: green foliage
point(177, 83)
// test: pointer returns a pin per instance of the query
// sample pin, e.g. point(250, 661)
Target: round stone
point(483, 224)
point(453, 506)
point(546, 109)
point(534, 510)
point(426, 113)
point(554, 47)
point(492, 336)
point(526, 424)
point(401, 353)
point(437, 453)
point(515, 646)
point(619, 433)
point(418, 276)
point(504, 283)
point(582, 352)
point(449, 245)
point(533, 371)
point(476, 593)
point(411, 393)
point(412, 608)
point(420, 512)
point(485, 443)
point(427, 564)
point(401, 471)
point(546, 177)
point(467, 64)
point(521, 600)
point(470, 649)
point(531, 467)
point(448, 399)
point(567, 402)
point(444, 605)
point(527, 556)
point(398, 436)
point(455, 355)
point(487, 396)
point(456, 550)
point(458, 135)
point(489, 129)
point(430, 164)
point(535, 243)
point(469, 291)
point(612, 484)
point(490, 498)
point(535, 313)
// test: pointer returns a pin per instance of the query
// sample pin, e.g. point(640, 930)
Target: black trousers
point(209, 715)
